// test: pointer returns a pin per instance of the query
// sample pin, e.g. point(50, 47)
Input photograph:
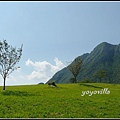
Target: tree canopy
point(9, 57)
point(74, 67)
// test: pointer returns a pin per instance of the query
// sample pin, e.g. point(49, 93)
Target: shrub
point(86, 80)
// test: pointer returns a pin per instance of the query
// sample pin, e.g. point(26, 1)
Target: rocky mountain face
point(104, 57)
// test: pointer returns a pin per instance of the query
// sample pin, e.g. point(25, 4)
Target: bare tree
point(9, 56)
point(74, 67)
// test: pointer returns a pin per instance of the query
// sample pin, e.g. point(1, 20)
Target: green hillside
point(64, 101)
point(104, 57)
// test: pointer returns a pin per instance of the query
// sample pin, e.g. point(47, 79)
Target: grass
point(64, 101)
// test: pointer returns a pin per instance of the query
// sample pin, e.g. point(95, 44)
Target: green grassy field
point(64, 101)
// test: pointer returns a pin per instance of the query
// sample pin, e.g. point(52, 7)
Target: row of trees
point(9, 56)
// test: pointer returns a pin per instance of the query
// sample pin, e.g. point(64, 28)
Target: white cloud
point(44, 70)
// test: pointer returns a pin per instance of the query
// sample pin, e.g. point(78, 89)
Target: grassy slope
point(65, 101)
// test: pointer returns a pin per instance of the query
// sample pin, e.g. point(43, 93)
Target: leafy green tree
point(74, 67)
point(9, 56)
point(100, 74)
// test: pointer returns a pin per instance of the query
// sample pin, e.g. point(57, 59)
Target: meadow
point(63, 101)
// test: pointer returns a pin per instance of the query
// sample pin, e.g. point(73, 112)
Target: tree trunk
point(4, 84)
point(75, 80)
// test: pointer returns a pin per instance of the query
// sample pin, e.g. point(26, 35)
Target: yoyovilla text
point(90, 93)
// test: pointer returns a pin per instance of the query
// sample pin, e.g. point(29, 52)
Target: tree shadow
point(88, 85)
point(16, 93)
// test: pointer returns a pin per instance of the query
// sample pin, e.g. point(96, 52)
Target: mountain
point(105, 58)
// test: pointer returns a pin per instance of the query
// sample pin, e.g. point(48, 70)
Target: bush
point(73, 80)
point(86, 80)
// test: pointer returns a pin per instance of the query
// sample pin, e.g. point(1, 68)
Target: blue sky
point(55, 33)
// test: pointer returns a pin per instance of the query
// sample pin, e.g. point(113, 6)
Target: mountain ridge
point(104, 56)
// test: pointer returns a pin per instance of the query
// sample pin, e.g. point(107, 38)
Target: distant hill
point(104, 57)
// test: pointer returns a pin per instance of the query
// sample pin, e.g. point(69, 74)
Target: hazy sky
point(55, 33)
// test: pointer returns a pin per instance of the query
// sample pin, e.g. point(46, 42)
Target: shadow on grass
point(16, 93)
point(88, 85)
